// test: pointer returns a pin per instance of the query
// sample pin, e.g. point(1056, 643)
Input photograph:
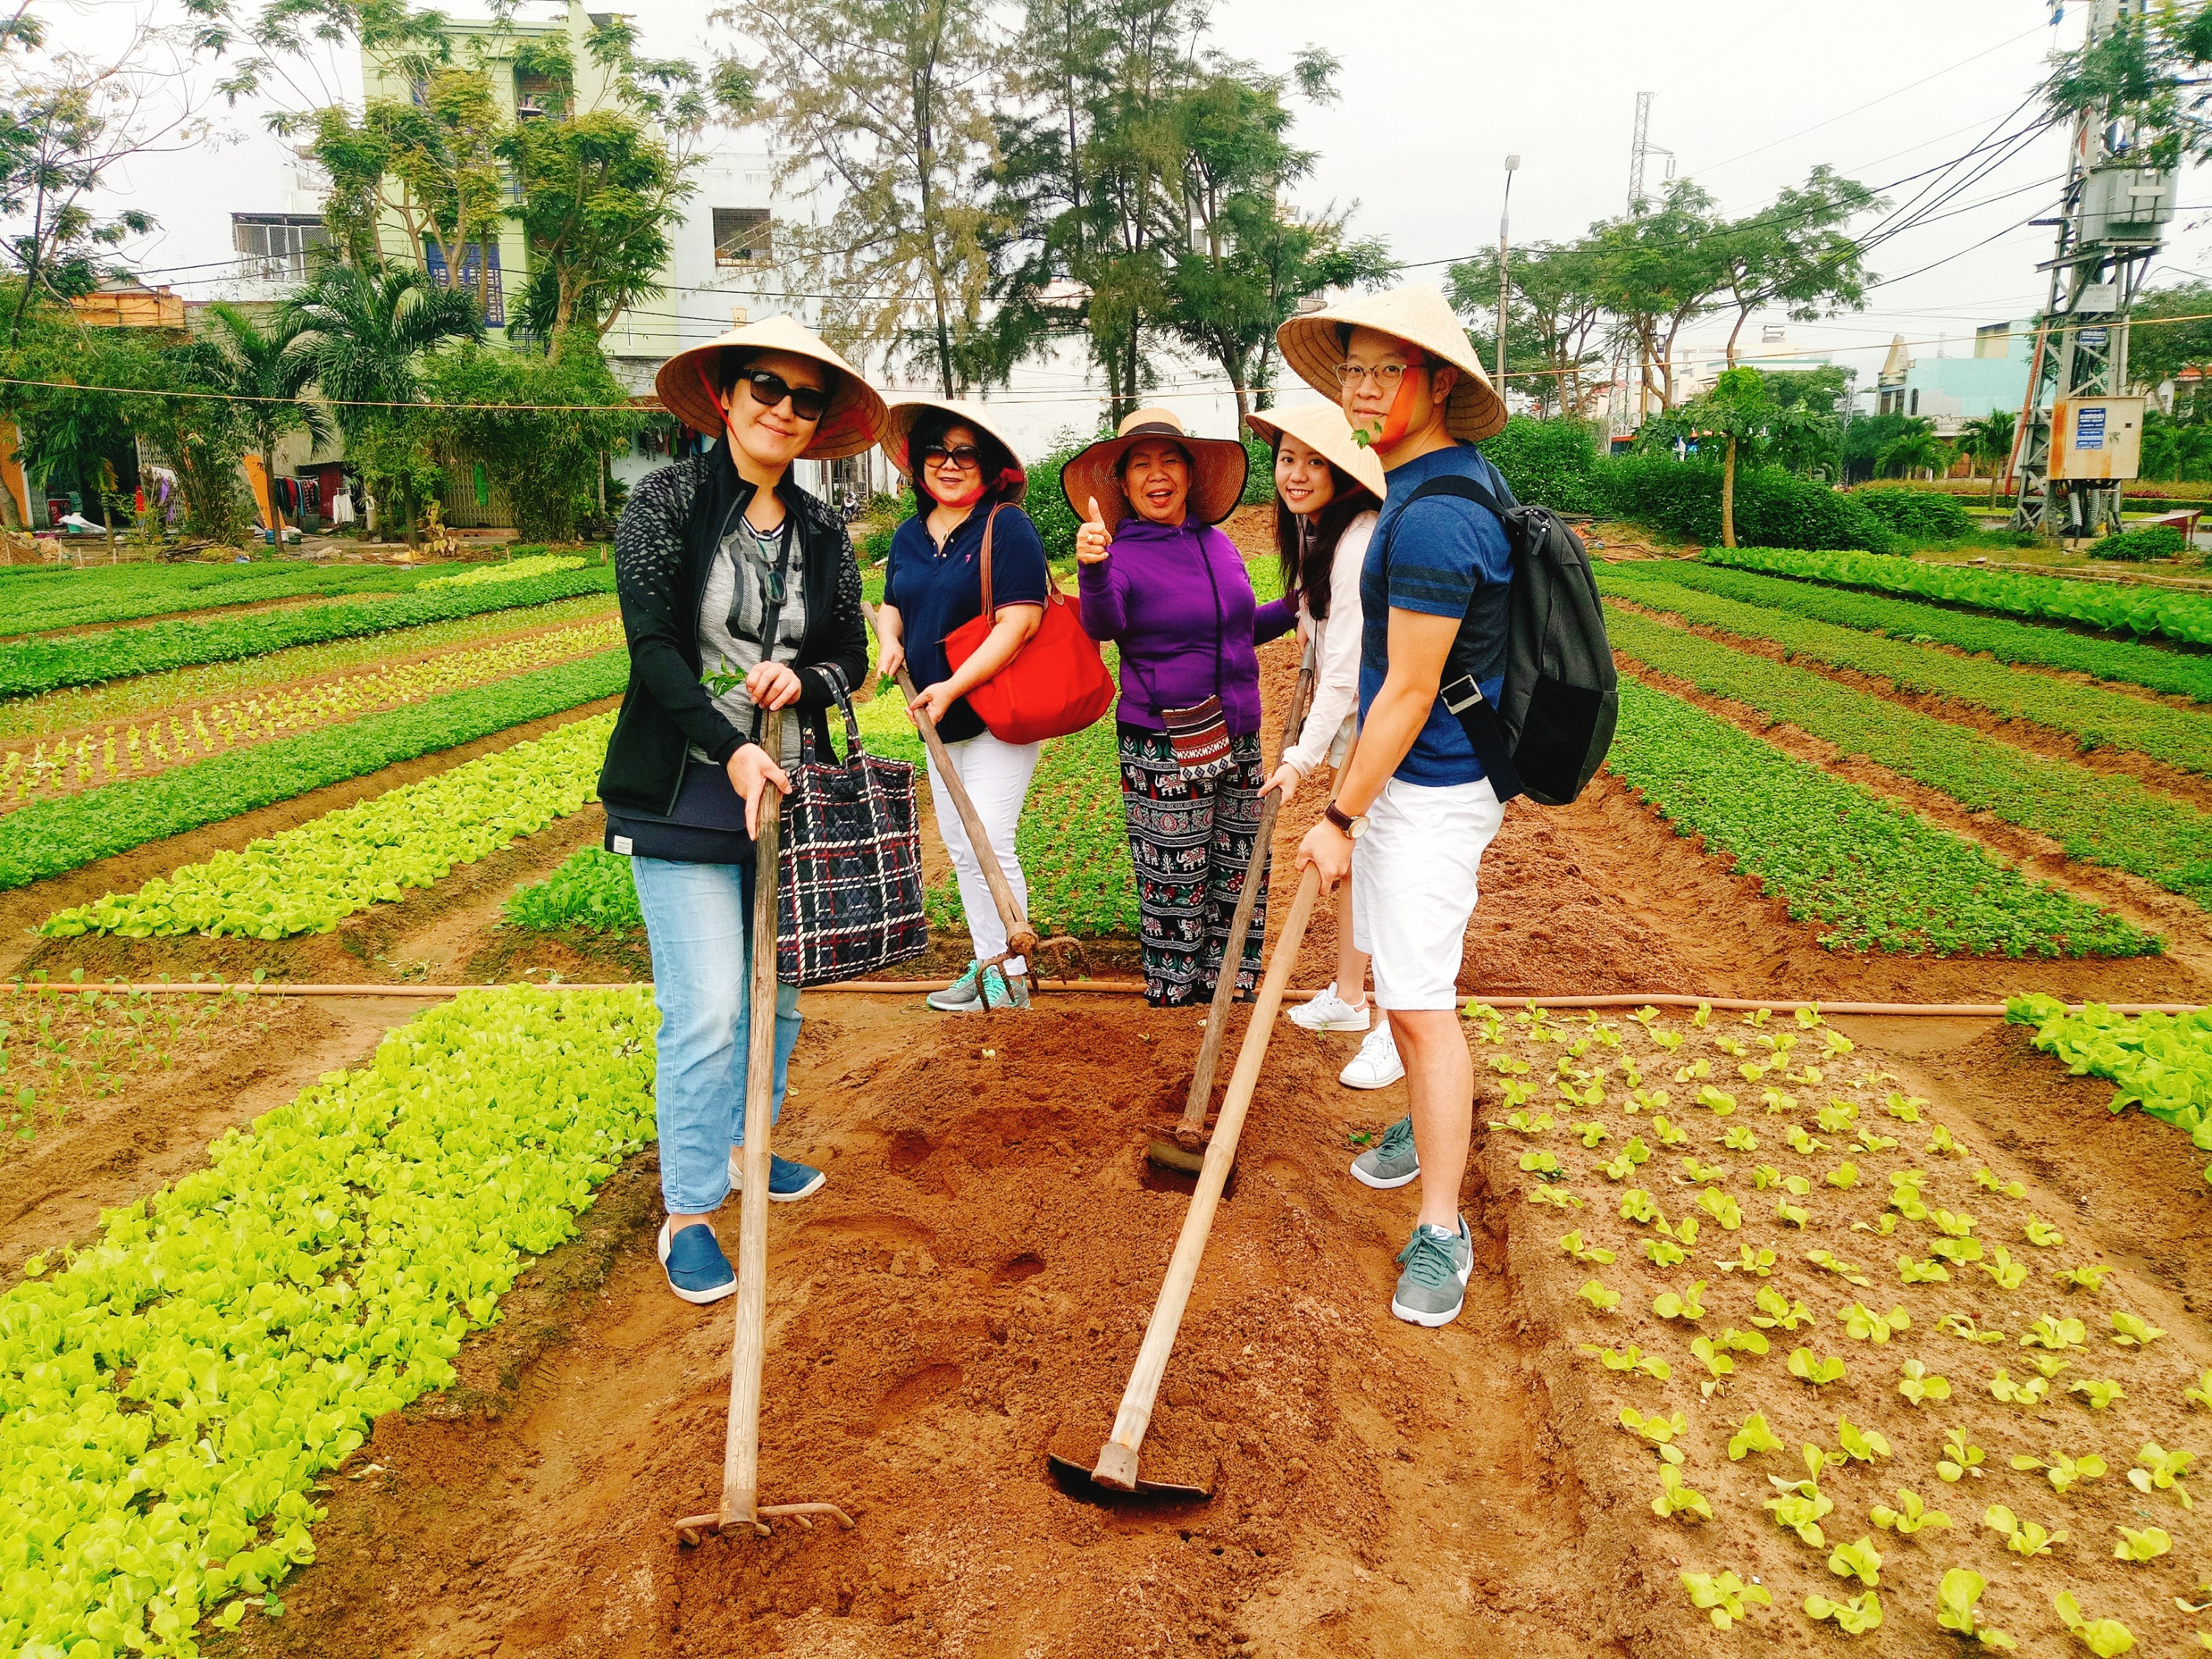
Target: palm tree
point(1916, 446)
point(364, 330)
point(1990, 438)
point(268, 372)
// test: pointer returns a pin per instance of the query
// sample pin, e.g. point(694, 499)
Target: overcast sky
point(1748, 95)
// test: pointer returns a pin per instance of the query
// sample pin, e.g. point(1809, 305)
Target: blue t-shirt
point(937, 590)
point(1449, 558)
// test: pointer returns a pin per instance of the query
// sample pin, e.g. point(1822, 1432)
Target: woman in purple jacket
point(1172, 592)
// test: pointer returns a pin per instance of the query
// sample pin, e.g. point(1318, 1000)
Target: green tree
point(1555, 319)
point(1988, 440)
point(1795, 253)
point(268, 372)
point(1739, 408)
point(1656, 273)
point(890, 101)
point(2170, 331)
point(1914, 447)
point(366, 333)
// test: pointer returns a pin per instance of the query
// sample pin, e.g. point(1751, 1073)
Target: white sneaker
point(1329, 1012)
point(1376, 1066)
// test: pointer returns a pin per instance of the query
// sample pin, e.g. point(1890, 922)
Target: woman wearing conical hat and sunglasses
point(740, 593)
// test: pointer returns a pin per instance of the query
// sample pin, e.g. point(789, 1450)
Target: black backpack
point(1554, 717)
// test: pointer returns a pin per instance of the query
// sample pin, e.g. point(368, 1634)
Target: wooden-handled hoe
point(1185, 1151)
point(1117, 1461)
point(741, 1506)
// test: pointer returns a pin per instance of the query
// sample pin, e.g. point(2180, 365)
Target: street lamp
point(1512, 167)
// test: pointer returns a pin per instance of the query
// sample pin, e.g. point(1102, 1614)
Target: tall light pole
point(1512, 167)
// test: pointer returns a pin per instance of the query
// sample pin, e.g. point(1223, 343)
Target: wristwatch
point(1353, 828)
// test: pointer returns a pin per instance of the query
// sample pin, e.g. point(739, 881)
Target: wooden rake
point(741, 1506)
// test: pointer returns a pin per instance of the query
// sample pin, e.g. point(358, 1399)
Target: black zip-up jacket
point(664, 546)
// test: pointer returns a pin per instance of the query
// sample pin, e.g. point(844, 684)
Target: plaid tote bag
point(849, 868)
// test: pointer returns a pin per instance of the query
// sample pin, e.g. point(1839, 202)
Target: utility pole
point(2108, 231)
point(1512, 167)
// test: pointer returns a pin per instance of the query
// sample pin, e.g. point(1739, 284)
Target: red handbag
point(1056, 683)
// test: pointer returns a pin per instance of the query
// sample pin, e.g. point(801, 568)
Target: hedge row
point(2118, 606)
point(29, 667)
point(2174, 673)
point(2114, 822)
point(48, 837)
point(2094, 717)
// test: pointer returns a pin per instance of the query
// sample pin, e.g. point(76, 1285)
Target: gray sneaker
point(1433, 1288)
point(961, 995)
point(1390, 1162)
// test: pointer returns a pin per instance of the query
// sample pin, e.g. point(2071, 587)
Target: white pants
point(997, 776)
point(1414, 887)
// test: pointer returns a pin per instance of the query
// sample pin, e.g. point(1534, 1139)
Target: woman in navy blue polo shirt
point(965, 476)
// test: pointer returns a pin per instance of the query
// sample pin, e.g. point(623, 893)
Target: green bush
point(1919, 514)
point(1552, 464)
point(2156, 541)
point(1047, 507)
point(1773, 508)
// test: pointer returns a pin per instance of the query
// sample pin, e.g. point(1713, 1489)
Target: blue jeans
point(698, 920)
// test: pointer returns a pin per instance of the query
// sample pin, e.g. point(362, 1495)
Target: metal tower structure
point(2108, 230)
point(1640, 149)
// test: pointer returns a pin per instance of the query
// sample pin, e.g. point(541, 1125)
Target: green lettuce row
point(2160, 1062)
point(48, 837)
point(29, 667)
point(2098, 719)
point(513, 570)
point(1875, 876)
point(2125, 608)
point(124, 592)
point(2115, 822)
point(2175, 672)
point(312, 877)
point(168, 1397)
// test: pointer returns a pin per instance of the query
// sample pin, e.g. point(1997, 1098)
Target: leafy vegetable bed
point(1846, 1356)
point(78, 707)
point(2178, 673)
point(37, 602)
point(2126, 608)
point(29, 667)
point(592, 891)
point(310, 878)
point(47, 837)
point(63, 1045)
point(2162, 1062)
point(28, 771)
point(512, 570)
point(2103, 820)
point(168, 1399)
point(1874, 875)
point(2098, 719)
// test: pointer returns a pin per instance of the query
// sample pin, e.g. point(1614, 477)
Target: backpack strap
point(1459, 692)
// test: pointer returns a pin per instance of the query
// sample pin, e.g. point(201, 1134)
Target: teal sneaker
point(1433, 1288)
point(1390, 1162)
point(999, 991)
point(961, 996)
point(788, 1179)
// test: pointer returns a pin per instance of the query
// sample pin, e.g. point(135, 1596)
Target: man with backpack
point(1424, 792)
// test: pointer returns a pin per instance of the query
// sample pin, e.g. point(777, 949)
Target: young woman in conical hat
point(966, 478)
point(1158, 578)
point(1327, 490)
point(727, 573)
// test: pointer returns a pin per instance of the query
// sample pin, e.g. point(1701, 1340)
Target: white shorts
point(1414, 887)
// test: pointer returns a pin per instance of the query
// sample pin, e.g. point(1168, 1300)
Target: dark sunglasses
point(962, 456)
point(769, 389)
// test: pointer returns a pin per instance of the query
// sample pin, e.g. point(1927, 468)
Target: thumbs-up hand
point(1093, 540)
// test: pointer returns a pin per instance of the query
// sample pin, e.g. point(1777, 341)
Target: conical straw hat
point(898, 426)
point(1322, 427)
point(1419, 315)
point(686, 385)
point(1218, 468)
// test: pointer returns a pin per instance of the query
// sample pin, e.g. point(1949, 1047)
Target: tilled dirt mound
point(972, 1283)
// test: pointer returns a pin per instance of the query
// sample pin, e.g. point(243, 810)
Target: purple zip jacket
point(1152, 598)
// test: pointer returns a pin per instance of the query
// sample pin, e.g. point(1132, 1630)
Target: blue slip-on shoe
point(787, 1181)
point(697, 1270)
